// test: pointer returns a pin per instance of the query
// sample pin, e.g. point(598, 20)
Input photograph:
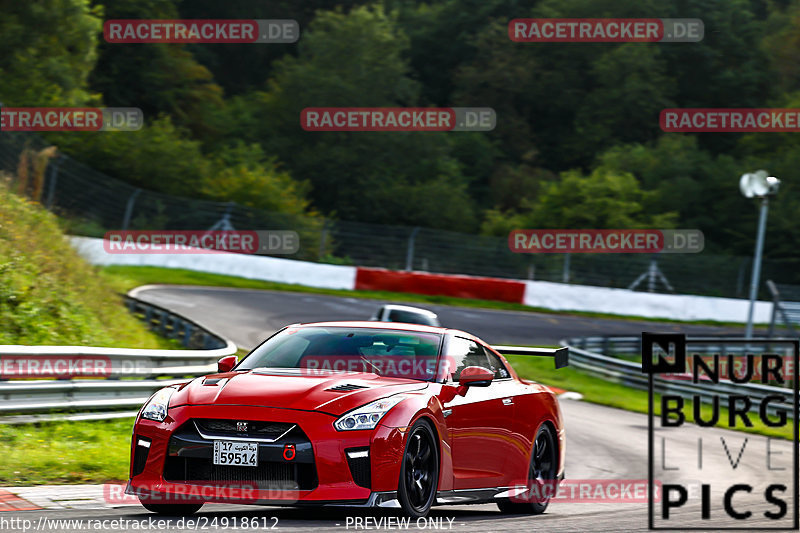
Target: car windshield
point(411, 317)
point(385, 352)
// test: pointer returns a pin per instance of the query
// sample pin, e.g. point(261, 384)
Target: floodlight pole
point(762, 226)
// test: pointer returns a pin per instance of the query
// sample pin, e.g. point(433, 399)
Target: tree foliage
point(577, 141)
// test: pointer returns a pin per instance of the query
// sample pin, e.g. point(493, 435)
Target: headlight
point(156, 408)
point(367, 416)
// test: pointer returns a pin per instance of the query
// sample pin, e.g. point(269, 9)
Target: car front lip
point(334, 477)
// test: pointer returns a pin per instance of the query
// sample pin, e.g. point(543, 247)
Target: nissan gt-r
point(354, 414)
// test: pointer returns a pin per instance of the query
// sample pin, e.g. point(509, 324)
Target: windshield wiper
point(370, 363)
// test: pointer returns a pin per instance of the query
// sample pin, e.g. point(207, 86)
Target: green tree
point(47, 51)
point(702, 188)
point(782, 45)
point(356, 59)
point(233, 64)
point(243, 174)
point(157, 78)
point(604, 199)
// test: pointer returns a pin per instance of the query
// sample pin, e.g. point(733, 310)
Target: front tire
point(541, 477)
point(419, 471)
point(171, 509)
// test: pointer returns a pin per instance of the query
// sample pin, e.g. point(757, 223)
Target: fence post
point(740, 279)
point(322, 238)
point(410, 250)
point(565, 271)
point(51, 186)
point(126, 220)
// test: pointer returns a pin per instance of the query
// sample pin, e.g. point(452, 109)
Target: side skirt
point(470, 496)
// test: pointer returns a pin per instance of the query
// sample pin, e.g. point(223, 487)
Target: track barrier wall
point(541, 294)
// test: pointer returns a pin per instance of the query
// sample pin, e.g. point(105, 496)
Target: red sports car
point(355, 414)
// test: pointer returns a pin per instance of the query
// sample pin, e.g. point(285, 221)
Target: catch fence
point(92, 203)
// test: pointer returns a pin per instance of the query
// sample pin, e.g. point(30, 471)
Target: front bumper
point(171, 461)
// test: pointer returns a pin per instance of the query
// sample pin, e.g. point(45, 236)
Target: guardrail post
point(187, 333)
point(162, 324)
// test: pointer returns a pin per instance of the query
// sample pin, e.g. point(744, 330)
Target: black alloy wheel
point(419, 473)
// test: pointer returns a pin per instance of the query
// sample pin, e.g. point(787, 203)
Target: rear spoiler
point(561, 355)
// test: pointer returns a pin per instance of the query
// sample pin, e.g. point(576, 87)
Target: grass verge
point(65, 452)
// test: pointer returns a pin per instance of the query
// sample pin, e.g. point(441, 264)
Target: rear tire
point(419, 471)
point(171, 509)
point(541, 473)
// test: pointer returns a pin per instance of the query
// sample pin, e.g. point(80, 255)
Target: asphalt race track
point(602, 443)
point(247, 317)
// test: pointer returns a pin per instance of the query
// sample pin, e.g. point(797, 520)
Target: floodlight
point(758, 184)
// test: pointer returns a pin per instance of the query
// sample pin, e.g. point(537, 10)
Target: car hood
point(329, 392)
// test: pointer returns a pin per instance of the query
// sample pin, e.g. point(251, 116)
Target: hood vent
point(346, 387)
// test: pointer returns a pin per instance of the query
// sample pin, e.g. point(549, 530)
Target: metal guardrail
point(629, 373)
point(174, 326)
point(24, 400)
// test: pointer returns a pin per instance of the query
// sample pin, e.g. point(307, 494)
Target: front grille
point(139, 456)
point(267, 475)
point(359, 468)
point(347, 387)
point(221, 427)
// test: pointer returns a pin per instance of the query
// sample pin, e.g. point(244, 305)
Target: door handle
point(508, 401)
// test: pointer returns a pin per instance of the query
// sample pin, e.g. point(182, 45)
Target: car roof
point(400, 326)
point(410, 309)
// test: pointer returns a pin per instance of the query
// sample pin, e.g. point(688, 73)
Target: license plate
point(227, 452)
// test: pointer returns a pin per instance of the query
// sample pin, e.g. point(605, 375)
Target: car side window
point(463, 353)
point(497, 366)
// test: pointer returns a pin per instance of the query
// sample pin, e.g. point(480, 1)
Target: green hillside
point(48, 294)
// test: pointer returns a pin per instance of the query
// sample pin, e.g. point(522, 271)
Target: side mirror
point(227, 363)
point(475, 376)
